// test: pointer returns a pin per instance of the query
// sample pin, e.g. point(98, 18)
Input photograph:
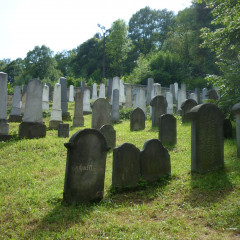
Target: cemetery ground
point(183, 206)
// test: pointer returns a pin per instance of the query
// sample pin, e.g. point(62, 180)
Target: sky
point(64, 24)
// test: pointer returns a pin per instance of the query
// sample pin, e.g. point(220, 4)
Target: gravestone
point(172, 90)
point(63, 130)
point(227, 128)
point(78, 120)
point(141, 100)
point(109, 88)
point(236, 112)
point(126, 166)
point(184, 90)
point(15, 115)
point(180, 99)
point(85, 167)
point(212, 94)
point(128, 95)
point(64, 102)
point(169, 99)
point(71, 93)
point(157, 89)
point(137, 120)
point(94, 92)
point(197, 92)
point(159, 107)
point(115, 115)
point(56, 114)
point(32, 125)
point(83, 85)
point(167, 129)
point(149, 90)
point(100, 113)
point(115, 85)
point(110, 135)
point(176, 89)
point(154, 161)
point(194, 97)
point(122, 98)
point(186, 107)
point(102, 90)
point(206, 138)
point(45, 98)
point(86, 102)
point(204, 95)
point(50, 95)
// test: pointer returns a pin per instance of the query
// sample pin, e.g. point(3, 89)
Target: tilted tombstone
point(227, 128)
point(167, 129)
point(110, 135)
point(115, 114)
point(206, 138)
point(86, 101)
point(102, 90)
point(109, 88)
point(78, 120)
point(186, 107)
point(149, 90)
point(63, 130)
point(236, 112)
point(141, 100)
point(45, 98)
point(101, 110)
point(128, 95)
point(32, 125)
point(71, 93)
point(94, 92)
point(64, 102)
point(126, 166)
point(137, 120)
point(56, 114)
point(85, 167)
point(169, 99)
point(15, 115)
point(159, 107)
point(154, 161)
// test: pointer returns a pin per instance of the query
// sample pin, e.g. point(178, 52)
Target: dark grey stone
point(186, 107)
point(154, 161)
point(126, 166)
point(168, 129)
point(115, 114)
point(212, 94)
point(206, 138)
point(78, 120)
point(85, 168)
point(137, 120)
point(227, 128)
point(110, 135)
point(63, 130)
point(31, 130)
point(109, 88)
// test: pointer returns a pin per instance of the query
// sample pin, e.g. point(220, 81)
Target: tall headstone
point(71, 93)
point(110, 135)
point(101, 110)
point(86, 101)
point(149, 90)
point(122, 98)
point(64, 102)
point(212, 94)
point(141, 100)
point(236, 112)
point(137, 120)
point(206, 138)
point(159, 107)
point(56, 114)
point(45, 98)
point(83, 85)
point(197, 92)
point(169, 99)
point(194, 97)
point(167, 129)
point(126, 166)
point(94, 92)
point(78, 120)
point(154, 161)
point(32, 125)
point(102, 91)
point(204, 95)
point(176, 89)
point(186, 107)
point(115, 114)
point(15, 115)
point(157, 89)
point(128, 95)
point(180, 101)
point(184, 90)
point(85, 167)
point(115, 85)
point(109, 88)
point(172, 90)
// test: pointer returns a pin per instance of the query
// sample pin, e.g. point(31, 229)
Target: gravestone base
point(53, 124)
point(78, 122)
point(4, 127)
point(32, 130)
point(15, 118)
point(66, 116)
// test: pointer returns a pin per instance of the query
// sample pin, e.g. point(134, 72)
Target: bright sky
point(64, 24)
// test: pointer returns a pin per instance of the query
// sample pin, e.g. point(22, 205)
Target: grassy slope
point(184, 207)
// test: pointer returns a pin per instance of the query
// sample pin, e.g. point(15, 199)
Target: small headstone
point(149, 90)
point(115, 115)
point(126, 166)
point(64, 102)
point(110, 135)
point(100, 113)
point(15, 115)
point(86, 102)
point(186, 107)
point(71, 93)
point(227, 128)
point(45, 98)
point(207, 138)
point(236, 112)
point(154, 161)
point(137, 120)
point(85, 168)
point(128, 96)
point(102, 90)
point(63, 130)
point(168, 129)
point(78, 120)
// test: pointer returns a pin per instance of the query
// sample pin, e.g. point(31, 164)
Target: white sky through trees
point(64, 24)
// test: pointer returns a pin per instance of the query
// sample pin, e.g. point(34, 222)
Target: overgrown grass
point(186, 206)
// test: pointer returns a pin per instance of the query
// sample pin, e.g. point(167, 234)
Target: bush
point(125, 113)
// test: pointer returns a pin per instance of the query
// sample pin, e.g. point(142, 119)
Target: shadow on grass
point(209, 188)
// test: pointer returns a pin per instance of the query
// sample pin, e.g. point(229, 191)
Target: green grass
point(185, 206)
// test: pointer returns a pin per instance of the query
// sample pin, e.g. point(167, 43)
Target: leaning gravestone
point(32, 125)
point(101, 110)
point(137, 120)
point(159, 107)
point(126, 166)
point(85, 168)
point(186, 107)
point(110, 135)
point(64, 101)
point(15, 115)
point(115, 114)
point(207, 138)
point(154, 161)
point(63, 130)
point(236, 112)
point(78, 120)
point(167, 129)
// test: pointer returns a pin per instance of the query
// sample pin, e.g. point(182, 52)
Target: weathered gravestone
point(45, 98)
point(149, 90)
point(115, 114)
point(109, 88)
point(186, 107)
point(63, 130)
point(64, 101)
point(227, 128)
point(169, 99)
point(78, 120)
point(236, 112)
point(86, 101)
point(102, 91)
point(71, 93)
point(206, 138)
point(122, 98)
point(154, 161)
point(101, 110)
point(94, 92)
point(24, 96)
point(212, 94)
point(110, 135)
point(137, 120)
point(32, 125)
point(159, 107)
point(126, 166)
point(128, 88)
point(141, 100)
point(15, 115)
point(167, 129)
point(85, 168)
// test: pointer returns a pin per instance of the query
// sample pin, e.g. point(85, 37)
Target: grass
point(185, 206)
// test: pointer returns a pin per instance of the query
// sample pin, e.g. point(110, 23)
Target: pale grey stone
point(16, 104)
point(86, 101)
point(78, 120)
point(115, 115)
point(236, 112)
point(149, 90)
point(102, 91)
point(128, 103)
point(94, 92)
point(45, 98)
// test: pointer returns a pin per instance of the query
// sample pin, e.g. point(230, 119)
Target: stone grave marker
point(169, 99)
point(115, 114)
point(141, 100)
point(167, 129)
point(109, 88)
point(63, 130)
point(102, 91)
point(186, 107)
point(71, 93)
point(137, 120)
point(78, 120)
point(149, 90)
point(15, 115)
point(236, 112)
point(94, 92)
point(86, 101)
point(110, 135)
point(128, 95)
point(212, 94)
point(45, 98)
point(64, 101)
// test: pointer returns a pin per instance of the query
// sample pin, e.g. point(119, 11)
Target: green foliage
point(10, 88)
point(125, 113)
